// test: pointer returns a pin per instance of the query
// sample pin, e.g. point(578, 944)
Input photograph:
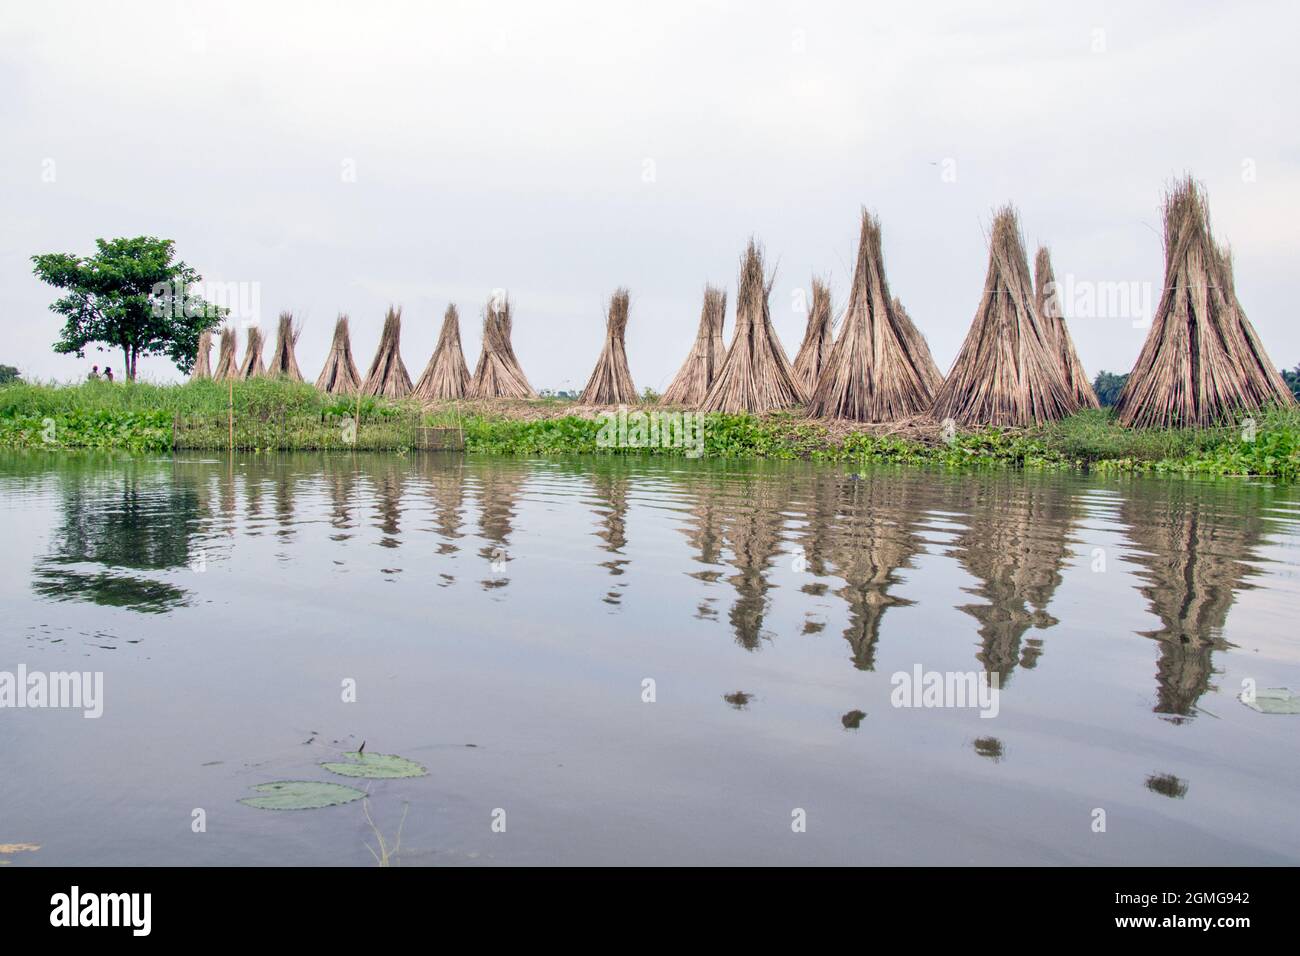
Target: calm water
point(500, 617)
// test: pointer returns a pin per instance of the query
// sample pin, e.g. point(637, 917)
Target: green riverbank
point(271, 415)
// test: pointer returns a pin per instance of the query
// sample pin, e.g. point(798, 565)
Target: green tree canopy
point(132, 294)
point(8, 373)
point(1108, 385)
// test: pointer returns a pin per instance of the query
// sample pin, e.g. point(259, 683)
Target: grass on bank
point(277, 415)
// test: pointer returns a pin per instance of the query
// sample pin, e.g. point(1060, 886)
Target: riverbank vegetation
point(271, 415)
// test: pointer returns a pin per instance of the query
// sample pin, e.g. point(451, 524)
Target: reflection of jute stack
point(873, 537)
point(1195, 548)
point(1016, 542)
point(753, 529)
point(1005, 373)
point(872, 373)
point(1202, 360)
point(697, 373)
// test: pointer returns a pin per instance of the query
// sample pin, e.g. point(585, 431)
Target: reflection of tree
point(134, 522)
point(1015, 543)
point(1194, 542)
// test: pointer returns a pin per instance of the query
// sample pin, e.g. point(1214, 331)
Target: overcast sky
point(341, 157)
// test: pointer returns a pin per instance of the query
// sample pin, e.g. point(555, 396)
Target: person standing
point(108, 373)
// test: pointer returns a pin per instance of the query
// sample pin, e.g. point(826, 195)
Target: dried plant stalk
point(1202, 361)
point(817, 338)
point(251, 366)
point(387, 377)
point(1005, 373)
point(202, 359)
point(340, 375)
point(498, 374)
point(872, 373)
point(611, 379)
point(446, 375)
point(227, 366)
point(691, 384)
point(756, 377)
point(1047, 301)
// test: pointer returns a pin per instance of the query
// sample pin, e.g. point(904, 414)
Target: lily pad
point(377, 766)
point(1274, 700)
point(301, 795)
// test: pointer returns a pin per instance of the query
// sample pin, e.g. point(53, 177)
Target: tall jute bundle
point(498, 374)
point(756, 376)
point(340, 375)
point(227, 366)
point(817, 338)
point(1005, 373)
point(871, 374)
point(202, 359)
point(1047, 301)
point(611, 379)
point(387, 377)
point(446, 375)
point(1202, 362)
point(251, 366)
point(697, 373)
point(283, 363)
point(919, 347)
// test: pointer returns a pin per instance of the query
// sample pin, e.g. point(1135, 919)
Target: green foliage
point(9, 374)
point(376, 766)
point(1292, 378)
point(301, 795)
point(277, 415)
point(133, 295)
point(1108, 385)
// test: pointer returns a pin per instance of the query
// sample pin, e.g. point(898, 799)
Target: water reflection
point(1015, 544)
point(1193, 548)
point(815, 544)
point(138, 519)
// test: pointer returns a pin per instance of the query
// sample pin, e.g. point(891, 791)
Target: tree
point(1292, 379)
point(133, 294)
point(1108, 385)
point(8, 374)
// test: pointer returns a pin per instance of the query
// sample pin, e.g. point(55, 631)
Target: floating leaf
point(301, 795)
point(377, 766)
point(1274, 700)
